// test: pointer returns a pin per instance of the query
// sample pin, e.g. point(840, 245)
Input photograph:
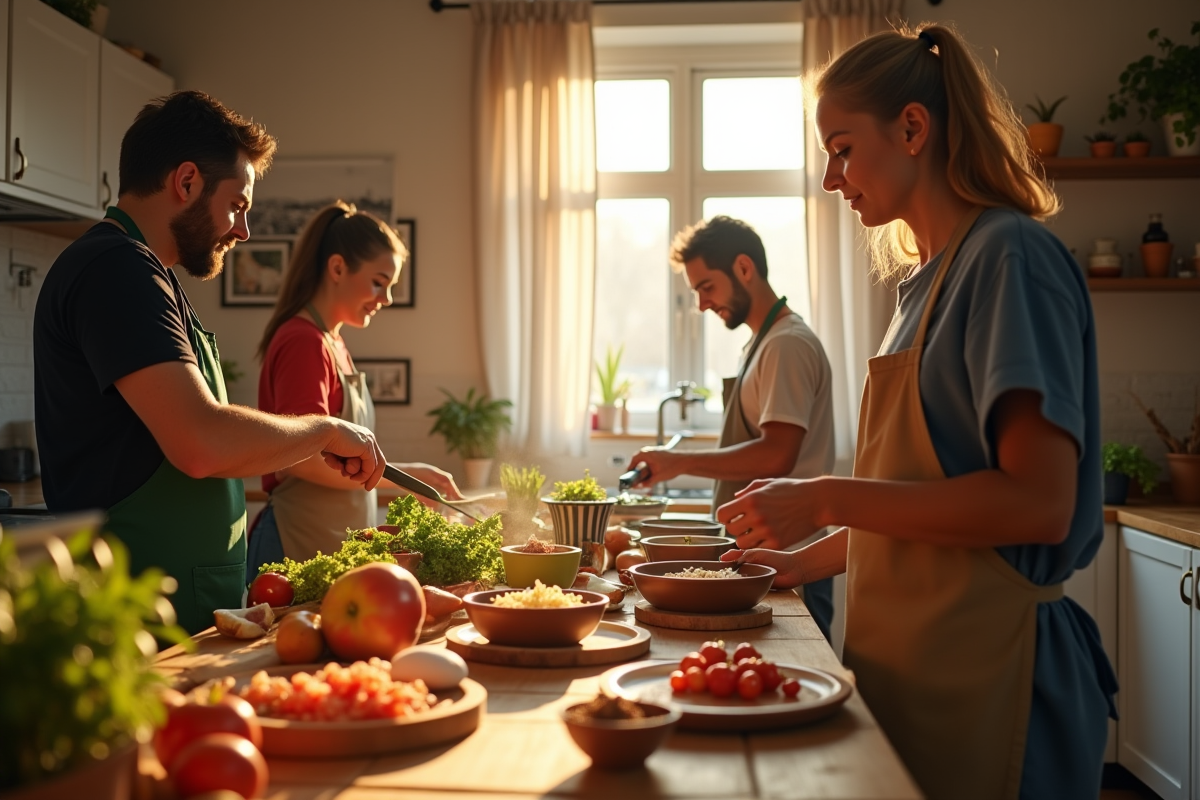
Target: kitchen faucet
point(685, 395)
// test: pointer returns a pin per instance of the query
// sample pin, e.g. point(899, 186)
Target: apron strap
point(119, 216)
point(762, 334)
point(327, 338)
point(956, 239)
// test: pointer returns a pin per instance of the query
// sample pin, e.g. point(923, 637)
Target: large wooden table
point(522, 749)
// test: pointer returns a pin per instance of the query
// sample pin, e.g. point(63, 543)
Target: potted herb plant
point(610, 390)
point(1102, 144)
point(1136, 145)
point(1183, 455)
point(77, 692)
point(579, 510)
point(1166, 88)
point(1045, 135)
point(522, 488)
point(1121, 464)
point(471, 427)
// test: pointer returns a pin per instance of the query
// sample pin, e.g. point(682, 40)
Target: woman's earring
point(912, 152)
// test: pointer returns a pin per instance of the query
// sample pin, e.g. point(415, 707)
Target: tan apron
point(312, 517)
point(941, 639)
point(734, 429)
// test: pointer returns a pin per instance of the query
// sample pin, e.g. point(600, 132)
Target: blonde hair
point(337, 229)
point(977, 132)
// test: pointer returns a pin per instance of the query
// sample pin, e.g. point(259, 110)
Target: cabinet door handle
point(20, 173)
point(107, 190)
point(1183, 594)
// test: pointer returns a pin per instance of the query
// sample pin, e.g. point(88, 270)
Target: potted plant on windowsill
point(1166, 88)
point(1183, 455)
point(1045, 135)
point(610, 390)
point(77, 639)
point(1121, 464)
point(471, 427)
point(1136, 145)
point(1102, 144)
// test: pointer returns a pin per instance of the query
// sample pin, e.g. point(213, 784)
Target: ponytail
point(978, 134)
point(338, 229)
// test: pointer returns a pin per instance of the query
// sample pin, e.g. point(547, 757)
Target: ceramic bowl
point(646, 510)
point(664, 527)
point(702, 595)
point(535, 627)
point(685, 547)
point(558, 568)
point(617, 744)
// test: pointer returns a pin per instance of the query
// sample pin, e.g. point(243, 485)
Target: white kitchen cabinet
point(126, 85)
point(4, 16)
point(1155, 598)
point(54, 109)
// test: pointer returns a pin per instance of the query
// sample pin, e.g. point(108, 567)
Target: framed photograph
point(297, 188)
point(253, 272)
point(387, 379)
point(405, 294)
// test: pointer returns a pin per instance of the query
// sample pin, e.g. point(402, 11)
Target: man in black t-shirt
point(132, 414)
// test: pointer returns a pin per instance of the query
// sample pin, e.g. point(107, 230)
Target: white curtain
point(535, 207)
point(851, 309)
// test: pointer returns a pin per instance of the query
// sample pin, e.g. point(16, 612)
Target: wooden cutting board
point(613, 642)
point(756, 617)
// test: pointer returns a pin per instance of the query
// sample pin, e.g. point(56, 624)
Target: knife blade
point(420, 487)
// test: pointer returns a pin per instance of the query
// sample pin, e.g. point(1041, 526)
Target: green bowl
point(553, 569)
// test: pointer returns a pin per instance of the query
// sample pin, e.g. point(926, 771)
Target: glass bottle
point(1155, 232)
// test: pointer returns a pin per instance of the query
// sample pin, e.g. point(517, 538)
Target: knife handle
point(633, 477)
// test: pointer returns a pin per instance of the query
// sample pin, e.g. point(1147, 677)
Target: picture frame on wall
point(253, 272)
point(388, 379)
point(404, 294)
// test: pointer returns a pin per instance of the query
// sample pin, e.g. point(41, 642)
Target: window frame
point(685, 184)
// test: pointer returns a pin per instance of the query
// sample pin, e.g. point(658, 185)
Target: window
point(686, 131)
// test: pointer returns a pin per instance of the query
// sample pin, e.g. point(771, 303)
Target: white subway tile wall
point(1172, 395)
point(19, 249)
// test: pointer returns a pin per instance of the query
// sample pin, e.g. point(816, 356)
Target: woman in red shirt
point(342, 272)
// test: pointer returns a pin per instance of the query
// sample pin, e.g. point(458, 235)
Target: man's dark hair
point(189, 126)
point(719, 241)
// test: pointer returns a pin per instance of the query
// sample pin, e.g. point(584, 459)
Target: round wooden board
point(756, 617)
point(611, 643)
point(444, 723)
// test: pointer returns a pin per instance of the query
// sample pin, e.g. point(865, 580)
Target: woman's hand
point(789, 575)
point(437, 478)
point(773, 514)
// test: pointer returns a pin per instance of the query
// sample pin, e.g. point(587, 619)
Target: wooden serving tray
point(756, 617)
point(612, 642)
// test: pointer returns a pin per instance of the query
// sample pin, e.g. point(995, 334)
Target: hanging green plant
point(1169, 84)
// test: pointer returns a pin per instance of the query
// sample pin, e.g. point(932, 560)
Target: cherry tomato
point(695, 680)
point(749, 685)
point(791, 687)
point(692, 660)
point(679, 681)
point(219, 761)
point(745, 665)
point(190, 721)
point(722, 680)
point(271, 588)
point(745, 650)
point(714, 652)
point(770, 675)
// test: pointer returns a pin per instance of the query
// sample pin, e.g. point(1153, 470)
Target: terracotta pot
point(1103, 149)
point(1156, 258)
point(1045, 137)
point(1136, 149)
point(1185, 477)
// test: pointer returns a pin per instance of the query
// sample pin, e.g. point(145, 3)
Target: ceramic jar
point(1104, 261)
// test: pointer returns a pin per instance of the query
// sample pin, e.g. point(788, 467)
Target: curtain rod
point(440, 5)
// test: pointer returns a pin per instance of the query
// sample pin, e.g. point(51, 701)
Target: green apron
point(192, 528)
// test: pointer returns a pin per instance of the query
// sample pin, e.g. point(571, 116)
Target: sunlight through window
point(753, 123)
point(633, 126)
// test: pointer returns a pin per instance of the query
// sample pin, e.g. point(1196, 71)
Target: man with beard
point(778, 419)
point(132, 413)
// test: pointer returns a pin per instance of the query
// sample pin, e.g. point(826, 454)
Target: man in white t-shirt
point(778, 418)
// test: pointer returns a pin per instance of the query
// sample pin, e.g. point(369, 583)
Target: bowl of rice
point(538, 560)
point(702, 587)
point(540, 616)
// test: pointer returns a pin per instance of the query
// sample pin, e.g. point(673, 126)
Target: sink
point(690, 494)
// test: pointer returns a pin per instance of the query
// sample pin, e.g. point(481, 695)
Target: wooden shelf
point(1097, 169)
point(1144, 284)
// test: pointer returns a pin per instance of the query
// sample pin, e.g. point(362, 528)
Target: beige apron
point(734, 429)
point(312, 517)
point(941, 639)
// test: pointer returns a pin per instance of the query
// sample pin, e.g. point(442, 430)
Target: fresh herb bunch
point(1130, 460)
point(452, 553)
point(311, 579)
point(1100, 136)
point(77, 636)
point(522, 486)
point(585, 489)
point(1136, 136)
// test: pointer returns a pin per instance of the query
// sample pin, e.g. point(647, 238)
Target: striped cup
point(579, 521)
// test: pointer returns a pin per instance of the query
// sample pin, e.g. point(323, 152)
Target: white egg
point(439, 668)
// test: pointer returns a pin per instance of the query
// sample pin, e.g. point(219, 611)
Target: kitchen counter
point(26, 493)
point(1177, 523)
point(521, 748)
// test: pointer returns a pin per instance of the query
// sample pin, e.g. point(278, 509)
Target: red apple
point(186, 722)
point(373, 610)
